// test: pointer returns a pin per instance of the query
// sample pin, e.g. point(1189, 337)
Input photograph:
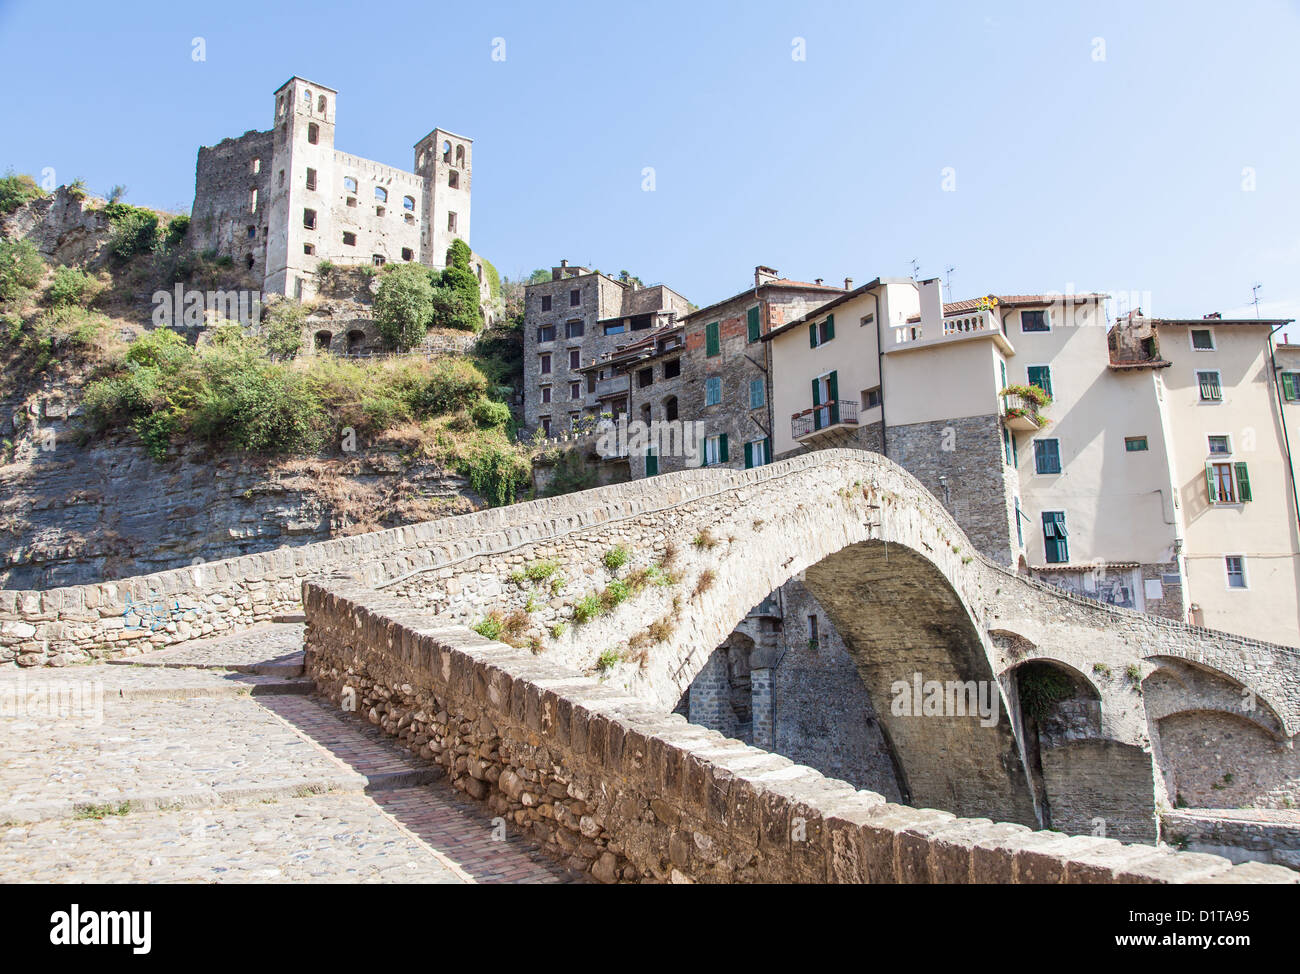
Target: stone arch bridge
point(639, 583)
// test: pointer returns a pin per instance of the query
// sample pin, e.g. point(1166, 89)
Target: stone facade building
point(574, 321)
point(282, 201)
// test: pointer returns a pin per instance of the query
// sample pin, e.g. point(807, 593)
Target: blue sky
point(1122, 174)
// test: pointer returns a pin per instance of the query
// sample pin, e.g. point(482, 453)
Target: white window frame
point(1219, 375)
point(1191, 342)
point(754, 447)
point(712, 450)
point(1210, 455)
point(1227, 574)
point(1047, 318)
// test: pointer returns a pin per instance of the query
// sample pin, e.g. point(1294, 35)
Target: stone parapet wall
point(1237, 835)
point(632, 794)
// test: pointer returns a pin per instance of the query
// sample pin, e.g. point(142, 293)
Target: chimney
point(1214, 315)
point(563, 262)
point(763, 274)
point(931, 309)
point(817, 281)
point(848, 284)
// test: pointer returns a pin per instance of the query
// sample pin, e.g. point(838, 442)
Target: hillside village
point(316, 351)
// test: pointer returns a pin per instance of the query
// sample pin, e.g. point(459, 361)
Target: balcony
point(617, 385)
point(1022, 408)
point(824, 418)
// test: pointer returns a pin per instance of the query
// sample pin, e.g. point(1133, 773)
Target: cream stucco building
point(1081, 452)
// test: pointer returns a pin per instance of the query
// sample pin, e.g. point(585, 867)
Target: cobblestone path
point(211, 762)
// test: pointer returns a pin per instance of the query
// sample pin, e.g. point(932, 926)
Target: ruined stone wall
point(61, 227)
point(1213, 760)
point(226, 175)
point(1239, 836)
point(633, 795)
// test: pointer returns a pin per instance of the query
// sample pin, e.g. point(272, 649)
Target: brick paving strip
point(209, 762)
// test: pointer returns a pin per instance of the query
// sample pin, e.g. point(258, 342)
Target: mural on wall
point(1114, 587)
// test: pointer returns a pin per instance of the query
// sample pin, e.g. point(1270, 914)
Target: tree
point(283, 328)
point(21, 268)
point(462, 282)
point(404, 305)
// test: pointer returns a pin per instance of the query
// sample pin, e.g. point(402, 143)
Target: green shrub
point(403, 306)
point(135, 230)
point(176, 230)
point(616, 593)
point(458, 300)
point(21, 268)
point(587, 608)
point(616, 558)
point(72, 285)
point(77, 189)
point(17, 189)
point(490, 627)
point(540, 571)
point(1041, 687)
point(495, 472)
point(488, 413)
point(282, 327)
point(608, 659)
point(453, 384)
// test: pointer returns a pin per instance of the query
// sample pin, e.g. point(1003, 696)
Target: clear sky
point(1098, 146)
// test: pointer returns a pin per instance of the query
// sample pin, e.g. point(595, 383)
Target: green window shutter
point(749, 455)
point(1003, 367)
point(812, 335)
point(722, 448)
point(712, 342)
point(1209, 483)
point(1041, 376)
point(753, 325)
point(830, 327)
point(767, 449)
point(1289, 386)
point(1015, 452)
point(833, 394)
point(1243, 483)
point(651, 465)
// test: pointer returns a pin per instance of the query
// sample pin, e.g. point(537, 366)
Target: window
point(1227, 483)
point(546, 333)
point(1202, 340)
point(352, 201)
point(1041, 376)
point(756, 453)
point(757, 393)
point(252, 233)
point(812, 631)
point(309, 249)
point(1055, 537)
point(575, 298)
point(408, 202)
point(313, 133)
point(546, 425)
point(349, 239)
point(715, 449)
point(645, 377)
point(871, 398)
point(1135, 444)
point(575, 357)
point(320, 104)
point(453, 179)
point(408, 253)
point(1035, 321)
point(819, 333)
point(826, 400)
point(1047, 456)
point(673, 369)
point(281, 177)
point(575, 390)
point(752, 325)
point(408, 218)
point(1210, 389)
point(712, 390)
point(257, 166)
point(1020, 530)
point(252, 201)
point(712, 340)
point(651, 462)
point(1236, 568)
point(349, 184)
point(1002, 365)
point(545, 363)
point(378, 260)
point(546, 302)
point(451, 222)
point(1006, 445)
point(670, 408)
point(1291, 386)
point(574, 329)
point(381, 194)
point(309, 219)
point(311, 178)
point(546, 393)
point(866, 320)
point(1220, 445)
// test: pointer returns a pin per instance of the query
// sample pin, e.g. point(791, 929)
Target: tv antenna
point(948, 272)
point(1254, 290)
point(916, 269)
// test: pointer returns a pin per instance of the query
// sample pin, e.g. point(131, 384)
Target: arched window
point(306, 96)
point(323, 340)
point(446, 151)
point(408, 202)
point(355, 340)
point(349, 184)
point(670, 408)
point(381, 194)
point(257, 166)
point(460, 156)
point(320, 104)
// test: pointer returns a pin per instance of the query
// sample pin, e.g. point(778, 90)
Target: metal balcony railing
point(843, 412)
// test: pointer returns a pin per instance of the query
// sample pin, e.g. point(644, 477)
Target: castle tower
point(300, 230)
point(444, 161)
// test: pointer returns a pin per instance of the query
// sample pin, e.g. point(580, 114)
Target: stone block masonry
point(634, 795)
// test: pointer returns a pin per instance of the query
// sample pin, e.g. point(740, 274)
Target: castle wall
point(223, 218)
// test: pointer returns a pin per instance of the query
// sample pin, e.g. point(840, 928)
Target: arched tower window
point(381, 194)
point(320, 104)
point(408, 202)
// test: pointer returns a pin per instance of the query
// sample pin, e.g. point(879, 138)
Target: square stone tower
point(300, 225)
point(445, 161)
